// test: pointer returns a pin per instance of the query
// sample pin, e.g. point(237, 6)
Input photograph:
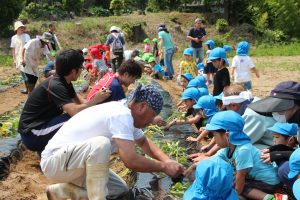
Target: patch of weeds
point(178, 189)
point(5, 61)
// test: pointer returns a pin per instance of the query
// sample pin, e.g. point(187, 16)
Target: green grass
point(6, 60)
point(291, 49)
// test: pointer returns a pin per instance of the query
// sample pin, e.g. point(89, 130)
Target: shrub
point(222, 25)
point(219, 40)
point(117, 6)
point(9, 11)
point(43, 11)
point(73, 5)
point(99, 12)
point(274, 36)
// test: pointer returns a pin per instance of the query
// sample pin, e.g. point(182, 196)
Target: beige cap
point(18, 24)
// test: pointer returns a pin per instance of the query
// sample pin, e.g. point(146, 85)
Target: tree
point(116, 6)
point(9, 11)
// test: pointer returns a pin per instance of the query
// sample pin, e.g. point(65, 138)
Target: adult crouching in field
point(165, 42)
point(77, 157)
point(53, 102)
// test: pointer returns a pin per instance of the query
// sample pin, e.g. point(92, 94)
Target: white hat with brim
point(114, 28)
point(46, 37)
point(18, 24)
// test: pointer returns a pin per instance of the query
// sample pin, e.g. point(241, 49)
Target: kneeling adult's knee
point(100, 150)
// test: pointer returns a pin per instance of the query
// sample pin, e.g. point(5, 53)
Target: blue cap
point(213, 180)
point(198, 82)
point(294, 164)
point(210, 43)
point(208, 104)
point(296, 189)
point(220, 96)
point(232, 122)
point(191, 93)
point(188, 52)
point(217, 53)
point(288, 129)
point(200, 66)
point(187, 76)
point(227, 48)
point(243, 48)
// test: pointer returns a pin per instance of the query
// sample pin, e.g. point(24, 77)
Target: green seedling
point(178, 189)
point(177, 115)
point(153, 130)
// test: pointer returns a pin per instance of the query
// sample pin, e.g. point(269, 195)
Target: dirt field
point(26, 181)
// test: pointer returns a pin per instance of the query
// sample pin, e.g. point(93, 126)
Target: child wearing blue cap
point(222, 78)
point(294, 173)
point(188, 65)
point(200, 68)
point(209, 68)
point(214, 179)
point(207, 109)
point(253, 179)
point(284, 143)
point(190, 97)
point(241, 66)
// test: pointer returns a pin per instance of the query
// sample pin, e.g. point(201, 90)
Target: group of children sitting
point(222, 118)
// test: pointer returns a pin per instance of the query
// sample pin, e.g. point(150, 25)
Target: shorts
point(31, 79)
point(259, 185)
point(24, 76)
point(210, 69)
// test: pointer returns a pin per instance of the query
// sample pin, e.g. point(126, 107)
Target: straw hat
point(18, 24)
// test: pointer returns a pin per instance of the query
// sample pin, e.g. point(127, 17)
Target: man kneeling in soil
point(77, 156)
point(53, 102)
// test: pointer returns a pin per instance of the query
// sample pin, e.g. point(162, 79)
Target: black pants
point(116, 62)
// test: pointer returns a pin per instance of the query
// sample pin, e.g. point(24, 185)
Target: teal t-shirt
point(248, 157)
point(158, 68)
point(167, 40)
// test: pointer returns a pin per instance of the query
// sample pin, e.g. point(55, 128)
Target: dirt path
point(26, 182)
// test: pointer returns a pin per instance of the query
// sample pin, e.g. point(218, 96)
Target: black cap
point(281, 98)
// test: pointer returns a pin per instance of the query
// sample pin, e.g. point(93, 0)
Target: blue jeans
point(198, 54)
point(168, 56)
point(283, 171)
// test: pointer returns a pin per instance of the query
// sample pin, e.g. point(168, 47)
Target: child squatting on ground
point(253, 178)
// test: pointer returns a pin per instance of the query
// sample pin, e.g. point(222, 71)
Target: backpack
point(105, 82)
point(117, 46)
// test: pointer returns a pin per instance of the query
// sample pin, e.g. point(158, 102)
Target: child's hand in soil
point(191, 139)
point(170, 124)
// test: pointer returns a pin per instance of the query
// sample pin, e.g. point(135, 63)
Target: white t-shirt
point(112, 120)
point(207, 56)
point(242, 65)
point(17, 43)
point(33, 53)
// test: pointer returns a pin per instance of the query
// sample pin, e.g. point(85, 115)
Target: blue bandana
point(150, 94)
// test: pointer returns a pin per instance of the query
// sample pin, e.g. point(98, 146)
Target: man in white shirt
point(31, 55)
point(17, 43)
point(77, 156)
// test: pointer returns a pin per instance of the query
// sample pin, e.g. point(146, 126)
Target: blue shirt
point(158, 68)
point(167, 40)
point(248, 157)
point(117, 92)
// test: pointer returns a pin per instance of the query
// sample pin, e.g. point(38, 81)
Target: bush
point(43, 11)
point(219, 41)
point(274, 36)
point(117, 6)
point(99, 12)
point(73, 6)
point(9, 11)
point(152, 6)
point(222, 25)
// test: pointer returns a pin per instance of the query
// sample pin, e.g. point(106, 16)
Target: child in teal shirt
point(253, 179)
